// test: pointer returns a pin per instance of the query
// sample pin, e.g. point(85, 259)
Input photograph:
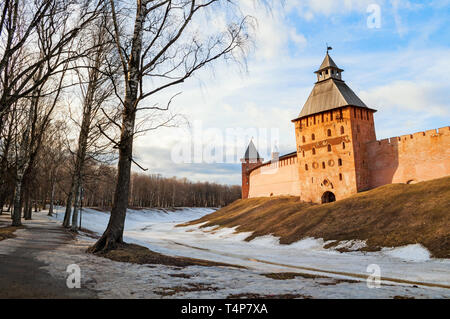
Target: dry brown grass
point(192, 287)
point(136, 254)
point(258, 296)
point(389, 216)
point(293, 275)
point(8, 232)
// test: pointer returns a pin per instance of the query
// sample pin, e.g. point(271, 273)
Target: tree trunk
point(28, 205)
point(76, 205)
point(29, 211)
point(68, 213)
point(17, 214)
point(52, 195)
point(25, 204)
point(114, 232)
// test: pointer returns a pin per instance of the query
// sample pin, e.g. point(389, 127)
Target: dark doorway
point(328, 197)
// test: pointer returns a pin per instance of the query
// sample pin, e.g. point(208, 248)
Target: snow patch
point(267, 240)
point(308, 243)
point(415, 253)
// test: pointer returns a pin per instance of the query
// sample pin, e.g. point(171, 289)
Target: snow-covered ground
point(156, 230)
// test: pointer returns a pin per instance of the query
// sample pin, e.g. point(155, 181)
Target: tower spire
point(328, 69)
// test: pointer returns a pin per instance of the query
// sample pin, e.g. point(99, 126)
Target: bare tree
point(52, 159)
point(162, 46)
point(98, 89)
point(24, 26)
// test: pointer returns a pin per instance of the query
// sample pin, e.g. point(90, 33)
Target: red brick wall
point(363, 131)
point(417, 157)
point(276, 179)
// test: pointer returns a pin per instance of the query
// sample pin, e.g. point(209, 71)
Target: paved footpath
point(21, 274)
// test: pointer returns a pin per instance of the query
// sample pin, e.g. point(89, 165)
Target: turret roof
point(330, 94)
point(327, 63)
point(252, 152)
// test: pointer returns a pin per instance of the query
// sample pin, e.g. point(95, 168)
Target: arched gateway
point(328, 197)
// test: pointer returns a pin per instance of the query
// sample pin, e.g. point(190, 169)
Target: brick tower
point(251, 160)
point(331, 133)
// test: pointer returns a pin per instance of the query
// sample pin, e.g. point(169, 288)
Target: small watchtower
point(251, 160)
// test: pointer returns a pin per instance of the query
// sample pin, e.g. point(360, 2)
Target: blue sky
point(402, 69)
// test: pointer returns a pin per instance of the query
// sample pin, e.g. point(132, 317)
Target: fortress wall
point(277, 179)
point(409, 158)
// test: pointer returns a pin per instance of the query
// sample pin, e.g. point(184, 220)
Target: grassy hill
point(389, 216)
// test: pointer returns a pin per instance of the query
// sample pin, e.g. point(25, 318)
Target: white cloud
point(422, 97)
point(312, 8)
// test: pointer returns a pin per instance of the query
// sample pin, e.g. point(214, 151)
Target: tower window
point(314, 151)
point(343, 145)
point(329, 132)
point(303, 153)
point(323, 165)
point(340, 177)
point(303, 139)
point(331, 115)
point(342, 130)
point(306, 167)
point(340, 162)
point(329, 148)
point(313, 137)
point(323, 118)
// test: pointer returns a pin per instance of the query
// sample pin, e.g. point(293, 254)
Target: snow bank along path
point(156, 230)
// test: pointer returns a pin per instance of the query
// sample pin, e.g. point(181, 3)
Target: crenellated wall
point(409, 158)
point(404, 159)
point(276, 179)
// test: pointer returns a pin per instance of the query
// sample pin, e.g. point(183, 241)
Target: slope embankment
point(389, 216)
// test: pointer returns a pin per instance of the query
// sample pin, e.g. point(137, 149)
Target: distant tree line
point(157, 191)
point(147, 190)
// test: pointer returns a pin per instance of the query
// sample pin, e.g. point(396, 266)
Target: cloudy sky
point(398, 64)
